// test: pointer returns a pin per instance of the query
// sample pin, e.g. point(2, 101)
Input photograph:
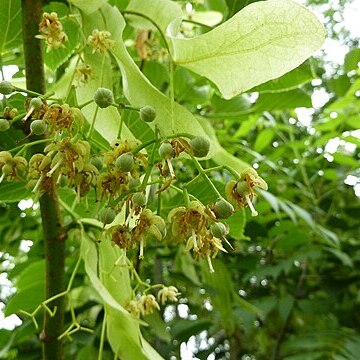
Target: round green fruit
point(36, 103)
point(138, 199)
point(242, 188)
point(200, 146)
point(6, 88)
point(103, 97)
point(147, 113)
point(38, 127)
point(166, 151)
point(223, 209)
point(97, 162)
point(107, 215)
point(219, 230)
point(125, 162)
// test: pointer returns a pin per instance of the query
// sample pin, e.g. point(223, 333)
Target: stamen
point(196, 248)
point(38, 183)
point(171, 169)
point(31, 110)
point(2, 177)
point(210, 264)
point(54, 168)
point(141, 254)
point(251, 206)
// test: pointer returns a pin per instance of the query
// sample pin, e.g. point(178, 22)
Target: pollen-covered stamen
point(78, 193)
point(31, 110)
point(141, 253)
point(38, 183)
point(210, 264)
point(57, 165)
point(171, 169)
point(251, 206)
point(193, 235)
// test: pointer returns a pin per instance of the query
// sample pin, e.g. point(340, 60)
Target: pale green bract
point(261, 42)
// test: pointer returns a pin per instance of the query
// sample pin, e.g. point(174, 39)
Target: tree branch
point(54, 234)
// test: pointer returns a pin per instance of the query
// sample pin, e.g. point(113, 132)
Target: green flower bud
point(166, 151)
point(6, 88)
point(125, 162)
point(36, 103)
point(38, 127)
point(103, 97)
point(219, 230)
point(200, 146)
point(138, 199)
point(107, 215)
point(147, 113)
point(223, 209)
point(97, 162)
point(4, 124)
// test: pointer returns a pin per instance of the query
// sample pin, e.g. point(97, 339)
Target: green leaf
point(10, 25)
point(112, 282)
point(282, 101)
point(88, 6)
point(290, 81)
point(27, 299)
point(170, 118)
point(262, 42)
point(11, 191)
point(263, 139)
point(32, 274)
point(345, 160)
point(183, 329)
point(170, 11)
point(184, 264)
point(237, 223)
point(352, 60)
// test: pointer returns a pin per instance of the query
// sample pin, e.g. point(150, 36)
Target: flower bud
point(103, 97)
point(4, 124)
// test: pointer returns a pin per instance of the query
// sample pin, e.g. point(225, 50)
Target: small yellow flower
point(52, 31)
point(168, 294)
point(147, 304)
point(100, 41)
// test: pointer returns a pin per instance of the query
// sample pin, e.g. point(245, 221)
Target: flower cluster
point(100, 41)
point(242, 191)
point(12, 167)
point(148, 225)
point(121, 176)
point(52, 31)
point(146, 303)
point(192, 225)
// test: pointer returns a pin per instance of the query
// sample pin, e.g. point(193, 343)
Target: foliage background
point(291, 288)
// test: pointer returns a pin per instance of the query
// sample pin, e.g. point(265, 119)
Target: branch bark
point(53, 232)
